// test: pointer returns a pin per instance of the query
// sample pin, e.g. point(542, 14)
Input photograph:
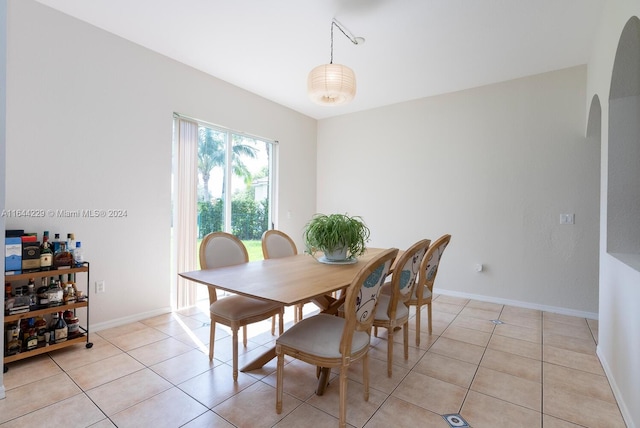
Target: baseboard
point(624, 410)
point(2, 391)
point(127, 320)
point(518, 303)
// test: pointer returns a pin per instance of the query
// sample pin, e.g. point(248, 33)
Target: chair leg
point(343, 396)
point(273, 325)
point(212, 339)
point(281, 323)
point(389, 350)
point(418, 325)
point(429, 317)
point(244, 335)
point(300, 311)
point(375, 331)
point(235, 353)
point(405, 339)
point(279, 382)
point(365, 375)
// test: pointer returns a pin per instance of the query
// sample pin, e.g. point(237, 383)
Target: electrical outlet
point(567, 218)
point(100, 287)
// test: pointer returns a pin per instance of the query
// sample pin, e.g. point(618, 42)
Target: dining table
point(286, 280)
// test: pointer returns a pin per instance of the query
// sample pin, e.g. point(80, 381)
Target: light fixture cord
point(343, 32)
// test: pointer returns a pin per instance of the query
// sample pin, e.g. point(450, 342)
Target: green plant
point(329, 233)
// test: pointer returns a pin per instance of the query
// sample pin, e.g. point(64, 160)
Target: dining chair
point(392, 310)
point(423, 291)
point(330, 341)
point(275, 244)
point(219, 249)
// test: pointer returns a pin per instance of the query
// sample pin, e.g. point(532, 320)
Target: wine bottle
point(46, 254)
point(60, 331)
point(63, 258)
point(30, 337)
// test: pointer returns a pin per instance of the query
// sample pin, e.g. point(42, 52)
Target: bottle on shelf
point(56, 243)
point(71, 242)
point(31, 292)
point(60, 330)
point(46, 253)
point(78, 255)
point(63, 258)
point(8, 291)
point(30, 337)
point(41, 328)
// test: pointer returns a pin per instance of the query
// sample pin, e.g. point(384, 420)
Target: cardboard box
point(30, 255)
point(12, 254)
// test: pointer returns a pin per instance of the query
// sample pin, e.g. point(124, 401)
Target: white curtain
point(186, 227)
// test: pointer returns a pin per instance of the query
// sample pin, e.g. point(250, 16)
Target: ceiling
point(413, 48)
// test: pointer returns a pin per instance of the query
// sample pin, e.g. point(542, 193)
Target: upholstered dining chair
point(392, 310)
point(275, 244)
point(331, 341)
point(219, 249)
point(423, 291)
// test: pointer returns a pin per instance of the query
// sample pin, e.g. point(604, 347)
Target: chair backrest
point(362, 297)
point(429, 266)
point(276, 243)
point(219, 249)
point(405, 274)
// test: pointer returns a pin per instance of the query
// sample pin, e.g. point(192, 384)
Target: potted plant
point(340, 237)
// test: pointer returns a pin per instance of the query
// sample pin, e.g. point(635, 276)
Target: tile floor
point(538, 369)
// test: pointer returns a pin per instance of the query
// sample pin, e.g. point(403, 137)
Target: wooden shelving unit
point(76, 338)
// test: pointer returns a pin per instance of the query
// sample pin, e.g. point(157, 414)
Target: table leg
point(323, 380)
point(260, 361)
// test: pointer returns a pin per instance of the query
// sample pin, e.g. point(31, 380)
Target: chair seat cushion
point(320, 335)
point(425, 293)
point(236, 308)
point(402, 311)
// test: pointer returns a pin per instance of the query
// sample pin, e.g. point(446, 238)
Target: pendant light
point(333, 84)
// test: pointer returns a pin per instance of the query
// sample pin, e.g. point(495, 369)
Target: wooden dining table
point(286, 280)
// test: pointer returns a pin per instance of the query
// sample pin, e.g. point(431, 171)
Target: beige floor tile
point(459, 301)
point(114, 332)
point(488, 306)
point(75, 411)
point(581, 331)
point(584, 346)
point(458, 350)
point(78, 355)
point(516, 332)
point(216, 385)
point(564, 319)
point(551, 422)
point(174, 325)
point(185, 366)
point(446, 369)
point(467, 335)
point(255, 406)
point(171, 408)
point(159, 351)
point(483, 411)
point(522, 312)
point(526, 368)
point(303, 416)
point(473, 323)
point(103, 371)
point(104, 423)
point(571, 359)
point(519, 347)
point(581, 409)
point(431, 393)
point(208, 420)
point(508, 388)
point(30, 370)
point(359, 411)
point(399, 413)
point(36, 395)
point(515, 319)
point(593, 326)
point(128, 391)
point(578, 381)
point(480, 314)
point(378, 350)
point(449, 308)
point(138, 338)
point(378, 377)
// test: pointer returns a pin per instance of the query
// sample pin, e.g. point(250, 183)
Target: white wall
point(89, 126)
point(494, 166)
point(619, 326)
